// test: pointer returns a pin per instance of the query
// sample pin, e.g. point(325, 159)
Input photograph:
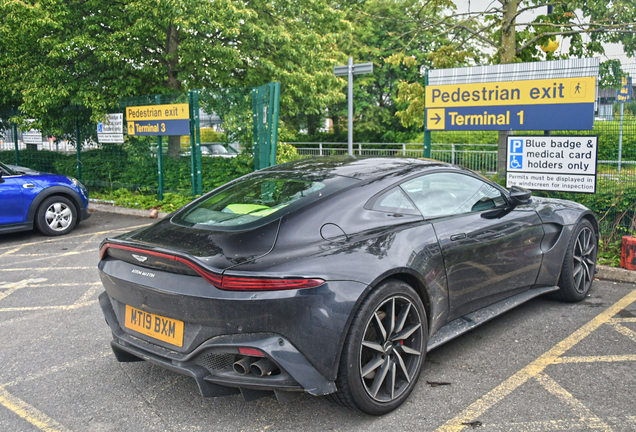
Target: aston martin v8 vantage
point(335, 276)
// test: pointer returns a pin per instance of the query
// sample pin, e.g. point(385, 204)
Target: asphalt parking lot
point(545, 366)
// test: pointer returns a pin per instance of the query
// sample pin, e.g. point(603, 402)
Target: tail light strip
point(231, 283)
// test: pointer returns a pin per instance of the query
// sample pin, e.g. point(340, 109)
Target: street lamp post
point(350, 70)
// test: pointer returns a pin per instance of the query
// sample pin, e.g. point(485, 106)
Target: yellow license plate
point(165, 329)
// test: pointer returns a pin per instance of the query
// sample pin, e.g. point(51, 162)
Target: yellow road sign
point(158, 112)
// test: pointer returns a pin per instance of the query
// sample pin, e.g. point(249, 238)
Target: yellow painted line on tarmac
point(39, 308)
point(596, 359)
point(24, 269)
point(11, 251)
point(65, 285)
point(47, 256)
point(71, 237)
point(487, 401)
point(83, 301)
point(625, 423)
point(622, 320)
point(28, 413)
point(46, 373)
point(11, 287)
point(625, 331)
point(578, 409)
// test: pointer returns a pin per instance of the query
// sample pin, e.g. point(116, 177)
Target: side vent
point(551, 235)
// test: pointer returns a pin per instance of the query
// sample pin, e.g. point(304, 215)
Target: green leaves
point(57, 54)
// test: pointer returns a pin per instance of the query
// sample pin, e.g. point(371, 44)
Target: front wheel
point(384, 350)
point(577, 273)
point(56, 216)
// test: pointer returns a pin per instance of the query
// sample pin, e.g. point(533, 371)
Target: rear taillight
point(255, 284)
point(230, 283)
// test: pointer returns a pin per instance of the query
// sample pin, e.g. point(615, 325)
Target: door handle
point(456, 237)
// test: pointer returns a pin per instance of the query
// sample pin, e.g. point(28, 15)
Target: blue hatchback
point(53, 203)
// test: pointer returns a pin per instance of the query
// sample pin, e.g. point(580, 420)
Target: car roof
point(358, 167)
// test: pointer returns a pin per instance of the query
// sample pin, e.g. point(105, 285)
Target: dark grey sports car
point(335, 276)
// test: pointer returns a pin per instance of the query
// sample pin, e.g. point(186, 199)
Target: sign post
point(15, 139)
point(545, 104)
point(623, 95)
point(350, 70)
point(427, 133)
point(111, 130)
point(552, 163)
point(170, 119)
point(32, 138)
point(159, 120)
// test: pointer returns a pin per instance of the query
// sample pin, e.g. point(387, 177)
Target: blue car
point(53, 203)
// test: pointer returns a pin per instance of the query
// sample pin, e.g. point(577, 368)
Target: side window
point(444, 194)
point(394, 201)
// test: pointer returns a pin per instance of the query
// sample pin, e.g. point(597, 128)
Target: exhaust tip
point(263, 367)
point(242, 366)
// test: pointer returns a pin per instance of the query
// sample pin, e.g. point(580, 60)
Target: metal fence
point(64, 146)
point(478, 157)
point(143, 163)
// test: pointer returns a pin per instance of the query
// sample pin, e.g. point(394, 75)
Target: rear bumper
point(210, 364)
point(304, 342)
point(312, 320)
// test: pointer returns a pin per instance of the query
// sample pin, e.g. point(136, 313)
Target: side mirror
point(519, 195)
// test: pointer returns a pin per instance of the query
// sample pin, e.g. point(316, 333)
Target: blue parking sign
point(516, 162)
point(516, 146)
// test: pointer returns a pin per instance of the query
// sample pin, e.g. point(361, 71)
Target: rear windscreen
point(259, 198)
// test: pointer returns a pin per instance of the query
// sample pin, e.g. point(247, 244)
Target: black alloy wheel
point(579, 266)
point(390, 350)
point(584, 260)
point(385, 350)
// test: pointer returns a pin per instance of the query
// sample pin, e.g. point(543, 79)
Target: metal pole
point(15, 140)
point(197, 142)
point(160, 168)
point(274, 143)
point(256, 148)
point(78, 144)
point(193, 147)
point(350, 97)
point(427, 134)
point(159, 160)
point(620, 140)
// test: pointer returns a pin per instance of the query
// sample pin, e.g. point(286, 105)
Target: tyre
point(577, 273)
point(56, 216)
point(384, 350)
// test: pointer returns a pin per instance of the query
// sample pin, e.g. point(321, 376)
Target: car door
point(491, 250)
point(11, 206)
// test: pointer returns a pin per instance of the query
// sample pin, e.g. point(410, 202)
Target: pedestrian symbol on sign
point(516, 162)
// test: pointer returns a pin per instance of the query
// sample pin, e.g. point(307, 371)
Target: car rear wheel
point(577, 273)
point(384, 350)
point(56, 216)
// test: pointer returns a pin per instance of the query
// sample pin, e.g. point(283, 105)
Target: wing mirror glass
point(519, 195)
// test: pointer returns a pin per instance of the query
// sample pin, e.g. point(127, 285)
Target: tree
point(503, 39)
point(57, 53)
point(378, 31)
